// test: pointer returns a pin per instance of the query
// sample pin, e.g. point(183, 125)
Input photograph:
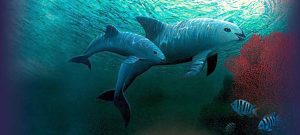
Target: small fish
point(268, 122)
point(244, 108)
point(229, 129)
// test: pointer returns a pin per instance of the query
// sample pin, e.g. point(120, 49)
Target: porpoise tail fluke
point(121, 103)
point(107, 95)
point(81, 59)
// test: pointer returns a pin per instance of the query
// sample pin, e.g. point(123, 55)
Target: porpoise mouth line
point(241, 36)
point(148, 60)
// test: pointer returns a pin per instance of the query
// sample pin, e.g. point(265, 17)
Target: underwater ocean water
point(59, 98)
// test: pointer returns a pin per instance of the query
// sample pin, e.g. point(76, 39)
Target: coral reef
point(260, 69)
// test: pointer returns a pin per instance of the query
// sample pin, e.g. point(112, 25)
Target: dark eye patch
point(227, 29)
point(154, 52)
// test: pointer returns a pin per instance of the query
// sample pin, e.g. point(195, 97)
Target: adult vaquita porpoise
point(136, 47)
point(195, 40)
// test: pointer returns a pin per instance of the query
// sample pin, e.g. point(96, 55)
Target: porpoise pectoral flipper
point(211, 63)
point(198, 63)
point(196, 67)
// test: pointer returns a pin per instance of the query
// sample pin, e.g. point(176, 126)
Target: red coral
point(260, 69)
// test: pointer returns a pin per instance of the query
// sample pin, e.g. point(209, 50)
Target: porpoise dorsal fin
point(111, 31)
point(151, 26)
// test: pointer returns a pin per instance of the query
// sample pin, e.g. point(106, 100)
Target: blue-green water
point(60, 97)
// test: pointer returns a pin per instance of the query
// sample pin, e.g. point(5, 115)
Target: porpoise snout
point(163, 59)
point(241, 36)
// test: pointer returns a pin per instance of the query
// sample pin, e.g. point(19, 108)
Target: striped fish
point(243, 108)
point(229, 129)
point(268, 122)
